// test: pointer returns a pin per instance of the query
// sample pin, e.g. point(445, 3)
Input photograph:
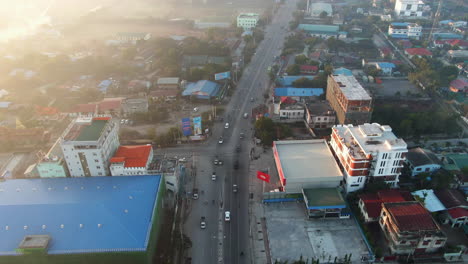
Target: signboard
point(186, 126)
point(222, 76)
point(197, 127)
point(263, 176)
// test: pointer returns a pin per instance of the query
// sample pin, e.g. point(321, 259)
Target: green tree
point(301, 59)
point(323, 15)
point(293, 69)
point(264, 130)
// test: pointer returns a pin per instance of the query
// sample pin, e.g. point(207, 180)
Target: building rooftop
point(418, 157)
point(202, 89)
point(430, 200)
point(168, 80)
point(87, 129)
point(411, 216)
point(458, 212)
point(320, 198)
point(320, 108)
point(418, 51)
point(368, 139)
point(343, 71)
point(292, 91)
point(248, 15)
point(132, 156)
point(351, 88)
point(456, 161)
point(373, 201)
point(302, 157)
point(81, 215)
point(386, 65)
point(451, 198)
point(326, 29)
point(317, 8)
point(288, 80)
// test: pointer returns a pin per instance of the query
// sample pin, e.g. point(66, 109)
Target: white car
point(246, 115)
point(221, 140)
point(195, 109)
point(227, 216)
point(213, 176)
point(226, 125)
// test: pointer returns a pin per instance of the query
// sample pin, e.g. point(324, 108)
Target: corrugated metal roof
point(289, 79)
point(319, 28)
point(89, 214)
point(431, 202)
point(202, 89)
point(292, 91)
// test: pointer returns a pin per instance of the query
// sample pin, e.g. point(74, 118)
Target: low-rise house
point(135, 105)
point(202, 89)
point(386, 52)
point(320, 115)
point(404, 30)
point(386, 67)
point(138, 85)
point(343, 71)
point(419, 52)
point(309, 69)
point(323, 31)
point(457, 207)
point(291, 112)
point(410, 229)
point(457, 55)
point(168, 83)
point(429, 200)
point(132, 37)
point(299, 94)
point(422, 160)
point(165, 95)
point(288, 80)
point(459, 85)
point(108, 106)
point(457, 217)
point(370, 204)
point(131, 160)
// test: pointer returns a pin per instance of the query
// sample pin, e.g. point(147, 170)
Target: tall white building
point(88, 143)
point(247, 20)
point(409, 8)
point(368, 152)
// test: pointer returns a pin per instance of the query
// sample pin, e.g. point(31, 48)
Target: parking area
point(394, 87)
point(292, 235)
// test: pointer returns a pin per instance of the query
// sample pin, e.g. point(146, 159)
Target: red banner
point(263, 176)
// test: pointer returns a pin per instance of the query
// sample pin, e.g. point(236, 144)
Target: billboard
point(222, 76)
point(197, 126)
point(186, 126)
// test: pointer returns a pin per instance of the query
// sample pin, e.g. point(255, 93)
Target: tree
point(373, 71)
point(293, 69)
point(323, 15)
point(301, 59)
point(264, 130)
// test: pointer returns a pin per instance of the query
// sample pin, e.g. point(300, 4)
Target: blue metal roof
point(399, 24)
point(400, 36)
point(386, 65)
point(343, 71)
point(122, 206)
point(292, 91)
point(289, 79)
point(203, 89)
point(447, 35)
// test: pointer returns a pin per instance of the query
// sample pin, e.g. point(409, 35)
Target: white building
point(247, 20)
point(368, 152)
point(320, 115)
point(422, 160)
point(404, 30)
point(291, 112)
point(409, 8)
point(87, 145)
point(131, 160)
point(315, 9)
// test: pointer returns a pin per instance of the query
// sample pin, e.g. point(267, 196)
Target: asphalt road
point(222, 241)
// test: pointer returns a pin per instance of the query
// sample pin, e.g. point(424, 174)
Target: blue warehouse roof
point(343, 71)
point(330, 29)
point(202, 89)
point(386, 65)
point(81, 215)
point(399, 24)
point(288, 80)
point(292, 91)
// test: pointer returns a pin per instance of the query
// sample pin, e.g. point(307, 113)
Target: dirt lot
point(389, 88)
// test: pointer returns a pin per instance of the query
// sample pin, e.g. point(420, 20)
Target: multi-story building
point(351, 102)
point(51, 167)
point(409, 8)
point(131, 160)
point(410, 228)
point(404, 30)
point(367, 153)
point(291, 112)
point(319, 115)
point(247, 21)
point(87, 145)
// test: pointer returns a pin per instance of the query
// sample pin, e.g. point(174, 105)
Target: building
point(291, 112)
point(81, 220)
point(429, 200)
point(386, 67)
point(309, 69)
point(422, 160)
point(457, 55)
point(21, 138)
point(457, 217)
point(298, 93)
point(418, 52)
point(165, 95)
point(452, 198)
point(202, 89)
point(342, 71)
point(370, 204)
point(168, 83)
point(410, 229)
point(404, 30)
point(325, 203)
point(51, 167)
point(305, 164)
point(191, 61)
point(446, 35)
point(352, 104)
point(322, 31)
point(132, 37)
point(131, 160)
point(135, 105)
point(316, 9)
point(108, 106)
point(409, 8)
point(288, 80)
point(87, 145)
point(247, 21)
point(368, 153)
point(320, 115)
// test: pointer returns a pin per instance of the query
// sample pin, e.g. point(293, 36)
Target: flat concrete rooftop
point(306, 157)
point(351, 88)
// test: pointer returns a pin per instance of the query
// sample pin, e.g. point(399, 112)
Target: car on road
point(227, 216)
point(220, 162)
point(202, 223)
point(195, 109)
point(242, 135)
point(213, 176)
point(220, 140)
point(195, 194)
point(246, 115)
point(238, 148)
point(236, 164)
point(234, 188)
point(226, 125)
point(216, 162)
point(251, 99)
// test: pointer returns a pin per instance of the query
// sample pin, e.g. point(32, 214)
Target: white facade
point(409, 8)
point(293, 112)
point(119, 168)
point(409, 30)
point(247, 21)
point(88, 144)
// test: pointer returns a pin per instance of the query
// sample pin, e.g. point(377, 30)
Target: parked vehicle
point(195, 194)
point(234, 188)
point(220, 140)
point(213, 176)
point(215, 162)
point(236, 164)
point(227, 216)
point(202, 222)
point(242, 135)
point(226, 125)
point(246, 115)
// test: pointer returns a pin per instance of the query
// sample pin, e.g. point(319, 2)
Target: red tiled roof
point(458, 42)
point(458, 212)
point(369, 197)
point(133, 156)
point(391, 196)
point(418, 51)
point(84, 108)
point(110, 104)
point(451, 198)
point(373, 208)
point(46, 110)
point(308, 68)
point(373, 201)
point(386, 50)
point(411, 216)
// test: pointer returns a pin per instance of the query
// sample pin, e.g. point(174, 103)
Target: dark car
point(238, 148)
point(236, 164)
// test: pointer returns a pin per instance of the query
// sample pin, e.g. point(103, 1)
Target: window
point(418, 169)
point(385, 155)
point(94, 154)
point(354, 185)
point(381, 171)
point(428, 169)
point(98, 167)
point(382, 164)
point(438, 242)
point(96, 160)
point(408, 7)
point(425, 243)
point(169, 183)
point(403, 242)
point(100, 174)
